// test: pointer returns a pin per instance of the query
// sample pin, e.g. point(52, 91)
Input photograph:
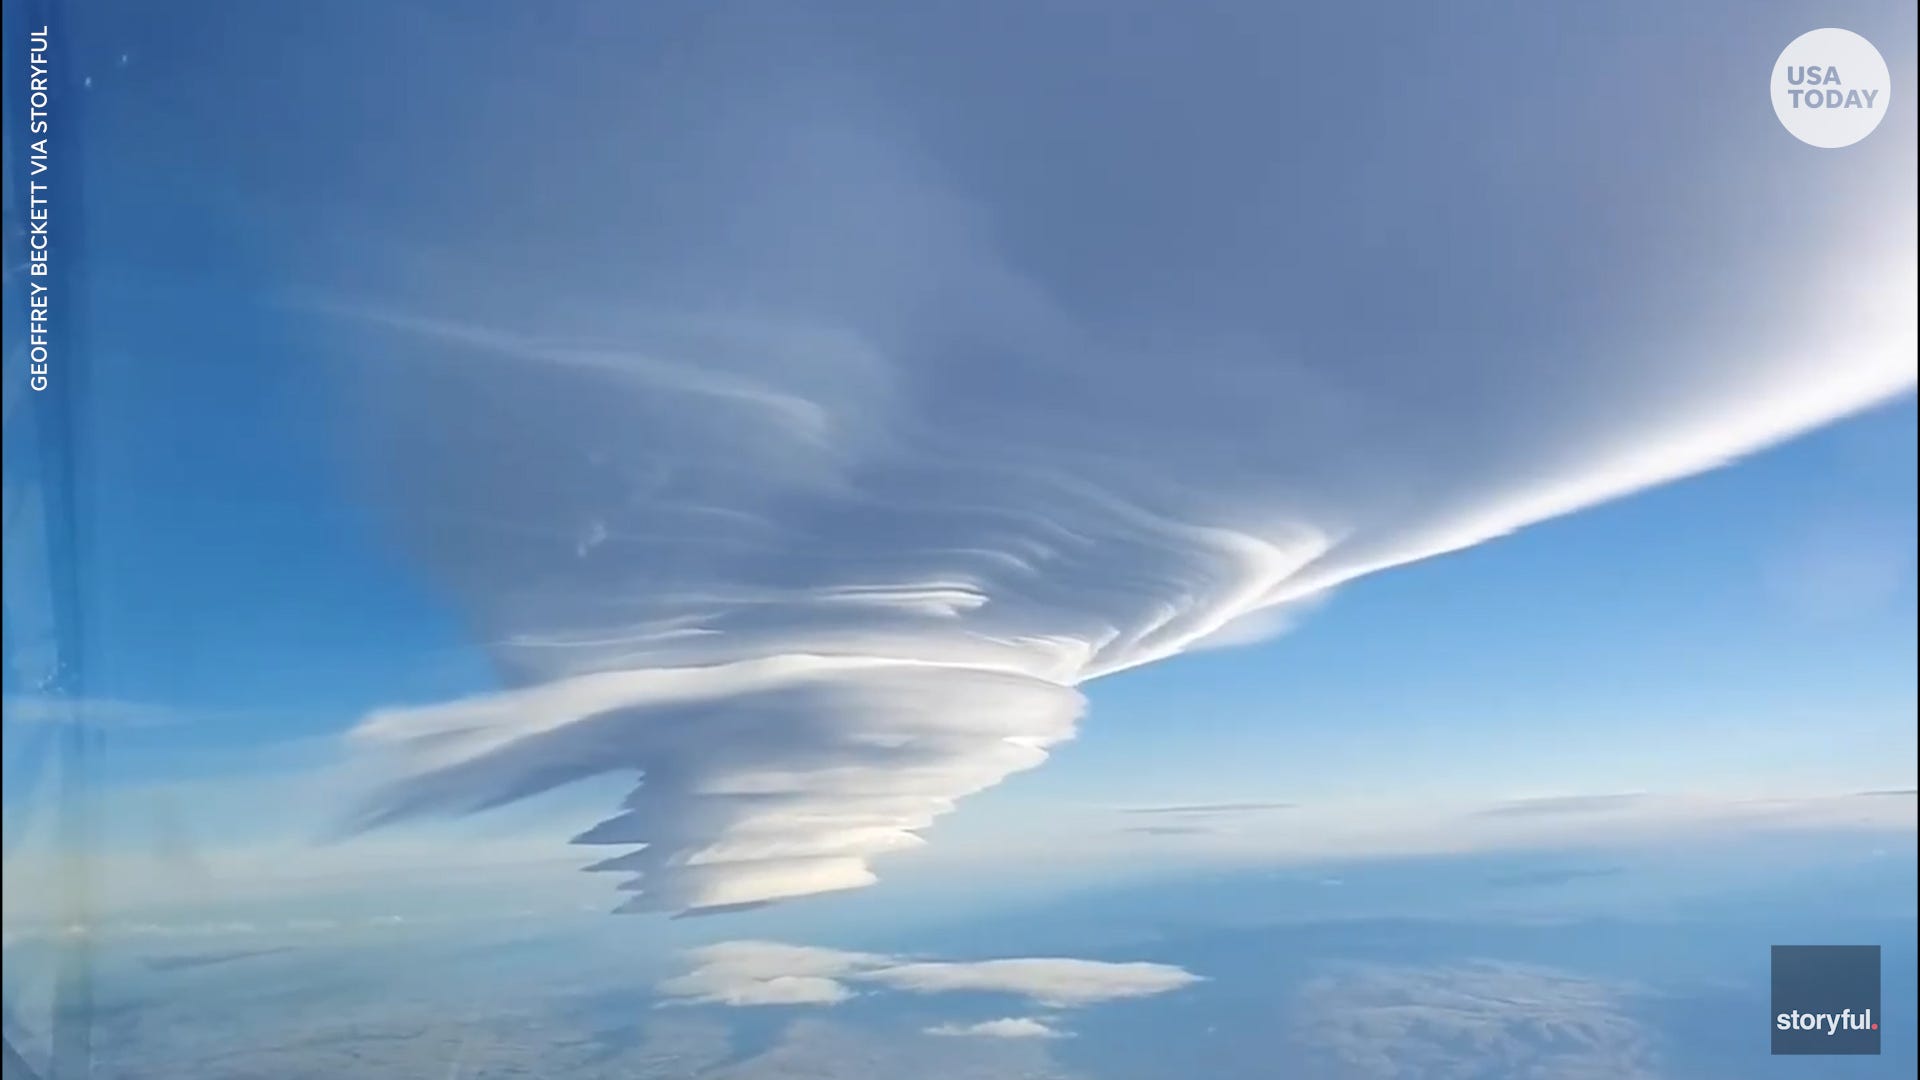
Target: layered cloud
point(818, 439)
point(747, 973)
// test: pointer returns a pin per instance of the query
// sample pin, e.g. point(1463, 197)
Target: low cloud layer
point(748, 973)
point(816, 440)
point(1468, 1020)
point(1010, 1027)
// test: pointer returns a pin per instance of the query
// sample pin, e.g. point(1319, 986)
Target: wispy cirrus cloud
point(804, 469)
point(1198, 819)
point(1171, 830)
point(1554, 805)
point(1208, 809)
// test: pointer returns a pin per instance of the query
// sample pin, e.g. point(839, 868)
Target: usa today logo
point(1830, 88)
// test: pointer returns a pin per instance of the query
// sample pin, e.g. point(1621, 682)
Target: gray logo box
point(1826, 999)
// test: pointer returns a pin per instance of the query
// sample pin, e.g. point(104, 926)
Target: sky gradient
point(627, 484)
point(914, 461)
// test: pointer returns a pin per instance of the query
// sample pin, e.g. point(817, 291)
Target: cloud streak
point(812, 499)
point(1558, 805)
point(1207, 809)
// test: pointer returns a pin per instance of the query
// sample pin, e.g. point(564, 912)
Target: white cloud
point(1055, 982)
point(765, 973)
point(880, 461)
point(774, 990)
point(1009, 1027)
point(771, 973)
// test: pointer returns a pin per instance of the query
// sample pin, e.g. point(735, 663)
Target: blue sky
point(349, 458)
point(1747, 629)
point(1669, 643)
point(1166, 541)
point(1677, 630)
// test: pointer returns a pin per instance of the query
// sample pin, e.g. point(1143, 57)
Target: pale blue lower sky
point(1746, 633)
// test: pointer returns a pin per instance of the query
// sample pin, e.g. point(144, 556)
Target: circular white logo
point(1830, 88)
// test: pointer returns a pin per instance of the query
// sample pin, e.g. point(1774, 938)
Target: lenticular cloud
point(833, 420)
